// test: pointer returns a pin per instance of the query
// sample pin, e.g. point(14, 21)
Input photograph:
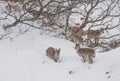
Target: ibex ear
point(102, 29)
point(58, 50)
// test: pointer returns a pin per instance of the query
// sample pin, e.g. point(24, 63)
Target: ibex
point(53, 53)
point(78, 31)
point(75, 38)
point(94, 34)
point(85, 53)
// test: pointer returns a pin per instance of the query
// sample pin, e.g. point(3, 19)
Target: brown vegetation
point(12, 7)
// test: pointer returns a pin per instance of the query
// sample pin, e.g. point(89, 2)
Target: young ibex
point(94, 34)
point(53, 53)
point(85, 53)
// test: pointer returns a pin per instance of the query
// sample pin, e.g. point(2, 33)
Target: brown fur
point(85, 53)
point(94, 34)
point(12, 7)
point(75, 38)
point(53, 53)
point(80, 32)
point(76, 30)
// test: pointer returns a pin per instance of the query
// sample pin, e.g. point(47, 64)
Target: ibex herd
point(75, 35)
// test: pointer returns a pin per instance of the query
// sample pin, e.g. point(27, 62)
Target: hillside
point(24, 59)
point(29, 27)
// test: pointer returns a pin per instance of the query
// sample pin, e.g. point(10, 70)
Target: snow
point(24, 59)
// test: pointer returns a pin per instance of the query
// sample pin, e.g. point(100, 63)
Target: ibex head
point(77, 46)
point(57, 53)
point(102, 30)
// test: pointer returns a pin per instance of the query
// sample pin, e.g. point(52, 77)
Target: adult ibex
point(53, 53)
point(94, 34)
point(85, 53)
point(75, 38)
point(78, 31)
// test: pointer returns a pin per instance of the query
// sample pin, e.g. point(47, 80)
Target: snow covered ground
point(24, 59)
